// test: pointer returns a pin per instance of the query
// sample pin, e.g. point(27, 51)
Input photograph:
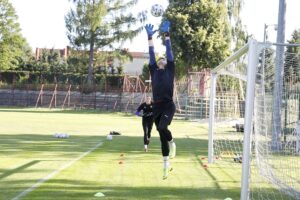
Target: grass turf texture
point(29, 152)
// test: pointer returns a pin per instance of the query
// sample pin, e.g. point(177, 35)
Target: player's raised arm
point(150, 33)
point(165, 29)
point(139, 109)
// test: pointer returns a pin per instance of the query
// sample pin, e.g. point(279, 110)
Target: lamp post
point(279, 73)
point(266, 26)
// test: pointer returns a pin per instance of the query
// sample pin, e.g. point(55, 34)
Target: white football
point(157, 10)
point(109, 137)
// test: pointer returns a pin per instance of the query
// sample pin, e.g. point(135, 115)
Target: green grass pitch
point(29, 153)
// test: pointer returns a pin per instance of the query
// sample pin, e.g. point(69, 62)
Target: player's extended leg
point(172, 144)
point(166, 133)
point(165, 121)
point(149, 125)
point(145, 128)
point(164, 147)
point(163, 139)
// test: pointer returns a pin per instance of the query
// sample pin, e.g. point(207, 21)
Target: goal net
point(277, 125)
point(228, 85)
point(254, 126)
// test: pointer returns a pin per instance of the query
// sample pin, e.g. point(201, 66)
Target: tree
point(292, 58)
point(200, 33)
point(95, 24)
point(145, 72)
point(13, 46)
point(266, 69)
point(27, 60)
point(50, 61)
point(118, 58)
point(78, 61)
point(239, 35)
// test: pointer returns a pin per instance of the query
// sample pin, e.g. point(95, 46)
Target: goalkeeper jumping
point(147, 108)
point(162, 77)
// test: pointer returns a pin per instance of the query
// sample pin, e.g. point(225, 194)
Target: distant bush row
point(26, 77)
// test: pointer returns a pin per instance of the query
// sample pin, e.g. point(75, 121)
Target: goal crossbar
point(243, 90)
point(250, 49)
point(232, 58)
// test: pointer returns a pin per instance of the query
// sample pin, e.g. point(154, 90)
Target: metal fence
point(67, 96)
point(190, 107)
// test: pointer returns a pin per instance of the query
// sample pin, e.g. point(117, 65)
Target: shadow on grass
point(54, 111)
point(18, 169)
point(16, 144)
point(142, 193)
point(82, 190)
point(69, 111)
point(188, 148)
point(66, 190)
point(33, 143)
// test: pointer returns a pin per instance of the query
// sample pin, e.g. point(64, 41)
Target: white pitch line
point(52, 174)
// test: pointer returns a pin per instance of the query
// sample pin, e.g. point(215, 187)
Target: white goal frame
point(252, 49)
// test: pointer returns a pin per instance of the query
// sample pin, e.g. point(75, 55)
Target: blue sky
point(42, 21)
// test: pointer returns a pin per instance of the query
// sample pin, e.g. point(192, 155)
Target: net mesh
point(278, 167)
point(229, 112)
point(275, 156)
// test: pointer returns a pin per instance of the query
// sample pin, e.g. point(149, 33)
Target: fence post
point(13, 94)
point(186, 106)
point(27, 94)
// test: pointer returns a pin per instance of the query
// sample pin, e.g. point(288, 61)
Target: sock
point(166, 162)
point(172, 148)
point(172, 144)
point(146, 146)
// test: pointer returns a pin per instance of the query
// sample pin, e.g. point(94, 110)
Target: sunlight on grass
point(118, 168)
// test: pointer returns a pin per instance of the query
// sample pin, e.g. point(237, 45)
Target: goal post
point(249, 77)
point(214, 76)
point(211, 117)
point(249, 111)
point(276, 159)
point(241, 134)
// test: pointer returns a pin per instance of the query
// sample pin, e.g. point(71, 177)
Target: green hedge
point(25, 77)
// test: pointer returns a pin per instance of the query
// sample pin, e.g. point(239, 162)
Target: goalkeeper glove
point(165, 26)
point(150, 31)
point(137, 113)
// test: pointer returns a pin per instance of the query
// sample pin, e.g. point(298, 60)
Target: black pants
point(147, 127)
point(163, 116)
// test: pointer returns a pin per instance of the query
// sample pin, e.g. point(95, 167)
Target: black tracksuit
point(163, 87)
point(147, 120)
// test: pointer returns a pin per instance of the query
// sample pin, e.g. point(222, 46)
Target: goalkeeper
point(162, 75)
point(147, 121)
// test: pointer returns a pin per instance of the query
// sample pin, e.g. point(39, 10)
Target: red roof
point(139, 54)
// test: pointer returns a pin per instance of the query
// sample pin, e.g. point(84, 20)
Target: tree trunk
point(189, 66)
point(91, 61)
